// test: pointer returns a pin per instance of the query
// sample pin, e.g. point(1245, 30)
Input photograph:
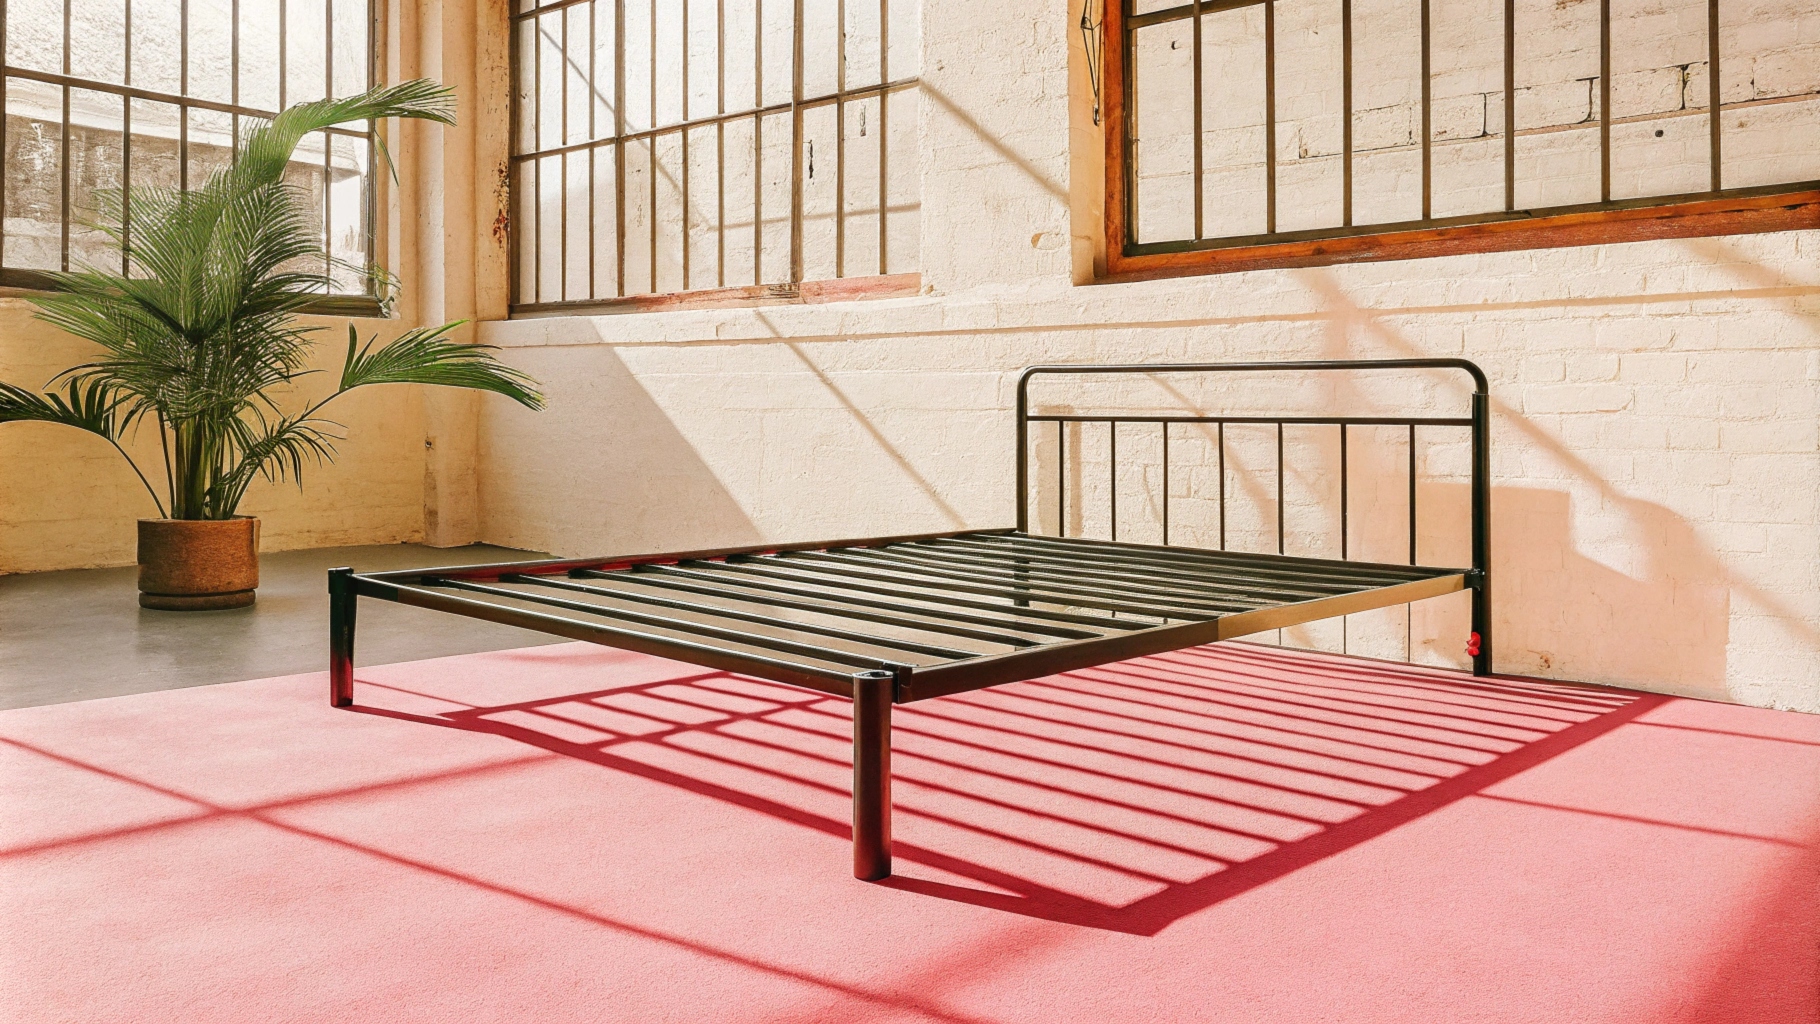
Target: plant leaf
point(427, 356)
point(89, 406)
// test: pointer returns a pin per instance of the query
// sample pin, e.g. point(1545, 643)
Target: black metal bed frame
point(892, 620)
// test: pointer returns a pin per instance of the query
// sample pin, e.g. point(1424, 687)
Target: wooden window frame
point(1718, 211)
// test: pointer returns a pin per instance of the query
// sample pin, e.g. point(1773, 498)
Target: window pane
point(860, 192)
point(34, 34)
point(306, 174)
point(640, 81)
point(670, 236)
point(1466, 122)
point(577, 245)
point(1386, 111)
point(211, 144)
point(1311, 118)
point(778, 40)
point(1162, 124)
point(741, 180)
point(703, 208)
point(903, 192)
point(154, 145)
point(259, 54)
point(550, 75)
point(819, 194)
point(305, 51)
point(1769, 59)
point(774, 168)
point(821, 47)
point(157, 40)
point(905, 38)
point(1557, 99)
point(863, 39)
point(351, 46)
point(97, 135)
point(577, 104)
point(34, 175)
point(211, 53)
point(524, 224)
point(97, 39)
point(152, 148)
point(348, 173)
point(1659, 140)
point(1232, 122)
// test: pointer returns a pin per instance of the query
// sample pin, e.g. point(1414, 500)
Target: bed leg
point(872, 698)
point(342, 602)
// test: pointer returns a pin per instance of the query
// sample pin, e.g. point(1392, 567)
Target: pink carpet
point(1227, 834)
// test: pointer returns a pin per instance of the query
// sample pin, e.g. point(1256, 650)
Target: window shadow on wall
point(1683, 573)
point(608, 469)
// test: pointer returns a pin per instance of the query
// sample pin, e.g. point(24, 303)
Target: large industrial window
point(675, 151)
point(105, 93)
point(1254, 133)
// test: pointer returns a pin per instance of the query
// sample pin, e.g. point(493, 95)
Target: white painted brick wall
point(1656, 458)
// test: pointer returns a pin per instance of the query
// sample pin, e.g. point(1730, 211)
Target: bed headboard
point(1477, 421)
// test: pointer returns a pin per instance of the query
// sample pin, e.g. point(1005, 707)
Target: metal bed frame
point(893, 620)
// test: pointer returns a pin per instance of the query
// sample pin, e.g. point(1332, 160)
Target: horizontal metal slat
point(854, 582)
point(1021, 572)
point(1237, 582)
point(767, 596)
point(745, 616)
point(1001, 622)
point(701, 629)
point(945, 580)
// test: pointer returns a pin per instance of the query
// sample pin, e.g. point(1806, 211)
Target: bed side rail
point(1477, 421)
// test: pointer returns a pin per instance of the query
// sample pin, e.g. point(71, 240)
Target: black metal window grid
point(108, 93)
point(736, 146)
point(1215, 156)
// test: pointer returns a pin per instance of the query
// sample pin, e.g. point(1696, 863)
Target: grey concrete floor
point(81, 634)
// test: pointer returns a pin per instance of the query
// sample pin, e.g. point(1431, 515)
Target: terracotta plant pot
point(198, 564)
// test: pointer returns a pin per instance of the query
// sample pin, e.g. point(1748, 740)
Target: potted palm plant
point(201, 340)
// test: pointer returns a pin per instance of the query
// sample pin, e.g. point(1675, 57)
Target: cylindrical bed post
point(872, 697)
point(1481, 533)
point(341, 637)
point(1023, 451)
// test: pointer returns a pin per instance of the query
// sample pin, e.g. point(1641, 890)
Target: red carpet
point(1228, 834)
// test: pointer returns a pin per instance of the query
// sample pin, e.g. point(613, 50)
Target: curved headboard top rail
point(1479, 646)
point(1480, 384)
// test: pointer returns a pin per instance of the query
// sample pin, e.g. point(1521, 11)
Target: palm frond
point(427, 356)
point(269, 448)
point(203, 336)
point(268, 149)
point(90, 405)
